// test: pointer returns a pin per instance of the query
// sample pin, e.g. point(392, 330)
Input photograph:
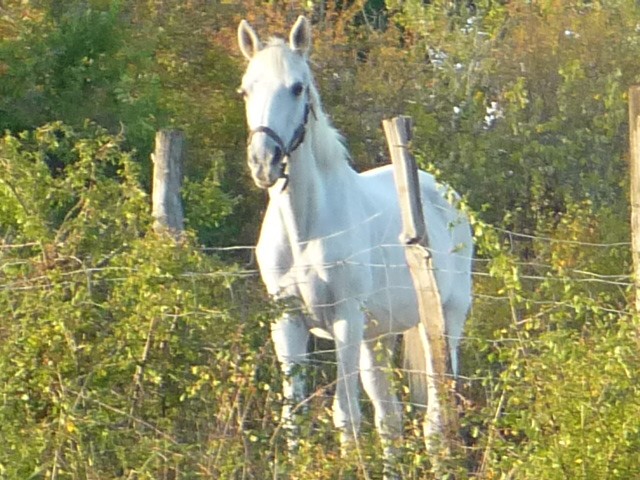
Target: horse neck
point(315, 170)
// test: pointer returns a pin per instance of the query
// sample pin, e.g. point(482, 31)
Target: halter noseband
point(296, 140)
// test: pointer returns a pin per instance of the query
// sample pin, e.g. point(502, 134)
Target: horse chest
point(324, 278)
point(325, 273)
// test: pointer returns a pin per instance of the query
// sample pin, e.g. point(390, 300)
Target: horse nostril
point(277, 156)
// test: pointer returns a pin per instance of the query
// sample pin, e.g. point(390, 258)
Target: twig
point(138, 377)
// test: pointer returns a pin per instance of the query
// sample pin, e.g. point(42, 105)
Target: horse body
point(347, 250)
point(330, 239)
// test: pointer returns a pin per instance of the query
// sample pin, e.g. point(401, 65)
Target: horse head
point(277, 91)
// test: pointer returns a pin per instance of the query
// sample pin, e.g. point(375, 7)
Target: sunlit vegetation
point(124, 354)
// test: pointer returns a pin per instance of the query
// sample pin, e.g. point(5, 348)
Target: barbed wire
point(319, 358)
point(567, 275)
point(560, 240)
point(43, 282)
point(548, 276)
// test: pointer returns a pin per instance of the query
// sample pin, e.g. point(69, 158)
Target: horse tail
point(414, 363)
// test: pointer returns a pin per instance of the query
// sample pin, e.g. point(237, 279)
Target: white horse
point(330, 239)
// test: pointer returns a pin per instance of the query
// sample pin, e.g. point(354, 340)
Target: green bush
point(120, 348)
point(125, 354)
point(571, 404)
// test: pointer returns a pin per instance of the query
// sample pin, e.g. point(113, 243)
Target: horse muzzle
point(268, 153)
point(266, 163)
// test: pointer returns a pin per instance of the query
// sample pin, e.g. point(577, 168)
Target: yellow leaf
point(71, 427)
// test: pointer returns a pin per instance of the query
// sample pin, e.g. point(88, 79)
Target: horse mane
point(328, 144)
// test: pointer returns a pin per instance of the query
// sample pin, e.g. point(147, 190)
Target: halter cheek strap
point(297, 140)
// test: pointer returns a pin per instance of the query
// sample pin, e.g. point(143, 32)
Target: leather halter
point(297, 140)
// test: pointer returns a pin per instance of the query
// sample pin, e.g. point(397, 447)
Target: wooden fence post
point(167, 182)
point(634, 172)
point(416, 241)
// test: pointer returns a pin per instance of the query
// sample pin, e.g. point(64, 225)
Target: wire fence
point(546, 272)
point(577, 275)
point(537, 274)
point(490, 296)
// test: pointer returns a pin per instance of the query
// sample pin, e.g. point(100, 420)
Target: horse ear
point(248, 40)
point(300, 36)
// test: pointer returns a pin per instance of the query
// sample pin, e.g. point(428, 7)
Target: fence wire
point(322, 357)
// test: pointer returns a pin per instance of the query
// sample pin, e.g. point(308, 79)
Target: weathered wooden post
point(167, 182)
point(634, 172)
point(441, 412)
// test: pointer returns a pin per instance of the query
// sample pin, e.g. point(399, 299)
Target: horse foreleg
point(290, 336)
point(347, 333)
point(375, 362)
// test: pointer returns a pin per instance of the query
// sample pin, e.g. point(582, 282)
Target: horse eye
point(297, 89)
